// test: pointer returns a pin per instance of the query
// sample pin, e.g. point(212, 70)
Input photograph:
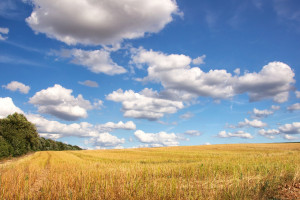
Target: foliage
point(18, 136)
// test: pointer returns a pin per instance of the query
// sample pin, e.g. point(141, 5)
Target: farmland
point(237, 171)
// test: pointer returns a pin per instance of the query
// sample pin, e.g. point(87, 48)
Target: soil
point(288, 192)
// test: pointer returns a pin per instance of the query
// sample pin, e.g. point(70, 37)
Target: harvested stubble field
point(243, 171)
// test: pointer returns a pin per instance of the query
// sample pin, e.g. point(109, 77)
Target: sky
point(150, 73)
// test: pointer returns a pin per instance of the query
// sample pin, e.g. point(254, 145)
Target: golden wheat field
point(244, 171)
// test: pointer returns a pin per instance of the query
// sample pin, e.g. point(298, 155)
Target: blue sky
point(150, 73)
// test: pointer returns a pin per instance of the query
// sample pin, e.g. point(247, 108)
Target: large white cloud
point(173, 71)
point(17, 86)
point(100, 22)
point(7, 107)
point(240, 134)
point(97, 61)
point(147, 104)
point(273, 81)
point(157, 139)
point(59, 102)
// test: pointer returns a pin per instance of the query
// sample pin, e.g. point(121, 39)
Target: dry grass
point(245, 171)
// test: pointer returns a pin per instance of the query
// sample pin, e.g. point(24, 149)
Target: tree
point(19, 133)
point(6, 149)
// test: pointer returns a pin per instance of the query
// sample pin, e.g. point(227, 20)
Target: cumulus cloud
point(106, 140)
point(3, 32)
point(290, 137)
point(17, 86)
point(192, 132)
point(100, 22)
point(89, 83)
point(293, 128)
point(240, 134)
point(146, 104)
point(199, 60)
point(59, 102)
point(109, 126)
point(262, 113)
point(173, 71)
point(157, 139)
point(7, 107)
point(269, 133)
point(273, 81)
point(294, 107)
point(247, 123)
point(97, 61)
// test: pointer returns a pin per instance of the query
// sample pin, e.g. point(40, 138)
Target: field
point(243, 171)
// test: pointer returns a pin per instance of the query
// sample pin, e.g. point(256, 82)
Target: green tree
point(19, 133)
point(6, 149)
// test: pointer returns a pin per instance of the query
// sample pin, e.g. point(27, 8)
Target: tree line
point(18, 136)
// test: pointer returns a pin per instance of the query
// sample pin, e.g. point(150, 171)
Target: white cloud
point(106, 140)
point(59, 102)
point(297, 94)
point(187, 115)
point(273, 107)
point(237, 71)
point(157, 139)
point(109, 126)
point(83, 129)
point(262, 113)
point(7, 107)
point(89, 83)
point(199, 60)
point(193, 132)
point(269, 133)
point(100, 22)
point(240, 134)
point(294, 107)
point(290, 137)
point(273, 81)
point(97, 61)
point(3, 31)
point(293, 128)
point(174, 73)
point(254, 123)
point(146, 104)
point(17, 86)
